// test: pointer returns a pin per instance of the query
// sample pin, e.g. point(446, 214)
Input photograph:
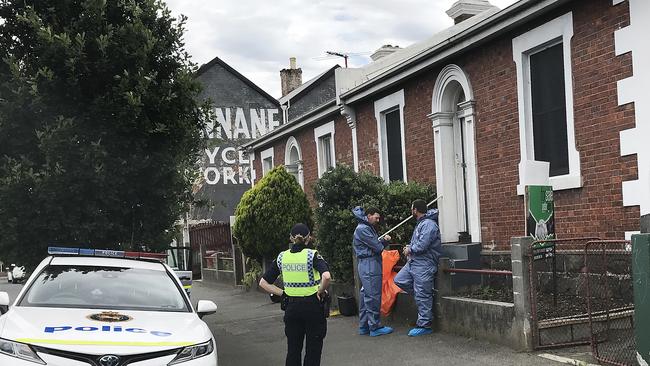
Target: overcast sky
point(257, 37)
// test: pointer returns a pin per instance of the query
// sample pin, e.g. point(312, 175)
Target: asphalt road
point(250, 332)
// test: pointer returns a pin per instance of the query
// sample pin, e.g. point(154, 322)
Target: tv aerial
point(344, 55)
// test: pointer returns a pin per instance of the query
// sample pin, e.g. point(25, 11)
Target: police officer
point(306, 278)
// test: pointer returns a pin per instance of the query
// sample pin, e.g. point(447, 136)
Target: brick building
point(475, 108)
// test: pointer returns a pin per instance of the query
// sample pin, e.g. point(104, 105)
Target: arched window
point(293, 160)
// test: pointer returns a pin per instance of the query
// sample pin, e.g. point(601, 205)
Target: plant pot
point(347, 305)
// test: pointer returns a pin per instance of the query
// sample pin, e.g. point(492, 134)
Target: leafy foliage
point(253, 274)
point(267, 212)
point(339, 191)
point(99, 125)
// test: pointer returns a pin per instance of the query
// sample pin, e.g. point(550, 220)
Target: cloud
point(257, 37)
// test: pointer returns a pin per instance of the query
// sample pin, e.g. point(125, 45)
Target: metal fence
point(213, 242)
point(558, 293)
point(610, 301)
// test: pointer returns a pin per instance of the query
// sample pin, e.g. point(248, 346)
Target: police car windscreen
point(97, 287)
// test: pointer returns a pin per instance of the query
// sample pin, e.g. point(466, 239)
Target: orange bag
point(389, 289)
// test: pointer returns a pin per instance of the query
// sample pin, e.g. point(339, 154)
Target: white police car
point(85, 307)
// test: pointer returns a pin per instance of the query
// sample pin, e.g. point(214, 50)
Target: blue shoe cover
point(418, 331)
point(364, 331)
point(381, 331)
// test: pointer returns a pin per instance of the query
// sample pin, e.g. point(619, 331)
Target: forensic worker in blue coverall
point(368, 247)
point(416, 277)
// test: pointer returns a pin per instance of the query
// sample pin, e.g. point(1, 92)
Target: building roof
point(358, 80)
point(375, 69)
point(460, 33)
point(308, 84)
point(218, 61)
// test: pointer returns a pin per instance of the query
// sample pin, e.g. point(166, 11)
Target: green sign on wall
point(540, 219)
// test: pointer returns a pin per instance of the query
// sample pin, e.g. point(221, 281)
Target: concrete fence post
point(641, 279)
point(520, 248)
point(443, 281)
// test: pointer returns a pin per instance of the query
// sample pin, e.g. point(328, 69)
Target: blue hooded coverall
point(416, 277)
point(368, 248)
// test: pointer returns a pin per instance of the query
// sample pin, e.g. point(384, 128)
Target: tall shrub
point(267, 212)
point(396, 199)
point(339, 191)
point(336, 193)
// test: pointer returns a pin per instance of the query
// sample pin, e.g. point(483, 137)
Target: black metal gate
point(610, 301)
point(558, 290)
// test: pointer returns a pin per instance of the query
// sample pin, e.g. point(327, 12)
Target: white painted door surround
point(453, 117)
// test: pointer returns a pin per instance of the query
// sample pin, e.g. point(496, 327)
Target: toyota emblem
point(109, 360)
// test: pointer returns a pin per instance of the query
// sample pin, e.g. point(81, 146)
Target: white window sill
point(559, 183)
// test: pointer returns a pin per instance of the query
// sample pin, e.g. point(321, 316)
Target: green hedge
point(267, 212)
point(339, 191)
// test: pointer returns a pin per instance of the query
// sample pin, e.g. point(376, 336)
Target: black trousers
point(304, 320)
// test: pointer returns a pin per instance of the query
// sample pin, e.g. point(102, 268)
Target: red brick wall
point(493, 75)
point(343, 141)
point(596, 208)
point(420, 158)
point(305, 138)
point(367, 146)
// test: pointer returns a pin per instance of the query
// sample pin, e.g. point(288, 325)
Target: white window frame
point(264, 155)
point(382, 107)
point(291, 143)
point(327, 128)
point(557, 31)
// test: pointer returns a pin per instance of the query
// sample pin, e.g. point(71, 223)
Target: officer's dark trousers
point(304, 320)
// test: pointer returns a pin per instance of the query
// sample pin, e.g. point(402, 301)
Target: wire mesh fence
point(558, 291)
point(610, 301)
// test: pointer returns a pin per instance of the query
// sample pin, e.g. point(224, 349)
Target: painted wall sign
point(243, 112)
point(224, 163)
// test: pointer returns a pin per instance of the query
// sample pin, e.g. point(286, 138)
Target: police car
point(85, 307)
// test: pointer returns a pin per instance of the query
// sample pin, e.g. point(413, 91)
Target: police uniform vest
point(298, 273)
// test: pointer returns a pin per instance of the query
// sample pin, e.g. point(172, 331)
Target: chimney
point(465, 9)
point(383, 51)
point(290, 78)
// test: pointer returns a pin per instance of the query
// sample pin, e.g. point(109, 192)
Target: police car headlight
point(193, 352)
point(19, 350)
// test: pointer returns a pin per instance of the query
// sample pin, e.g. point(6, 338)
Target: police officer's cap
point(300, 229)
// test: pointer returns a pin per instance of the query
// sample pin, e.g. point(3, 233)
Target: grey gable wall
point(228, 90)
point(320, 93)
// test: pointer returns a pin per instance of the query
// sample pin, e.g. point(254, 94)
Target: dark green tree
point(267, 212)
point(100, 125)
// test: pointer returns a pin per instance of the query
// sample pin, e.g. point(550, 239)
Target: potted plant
point(347, 304)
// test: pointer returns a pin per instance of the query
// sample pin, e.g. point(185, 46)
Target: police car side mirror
point(206, 307)
point(4, 302)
